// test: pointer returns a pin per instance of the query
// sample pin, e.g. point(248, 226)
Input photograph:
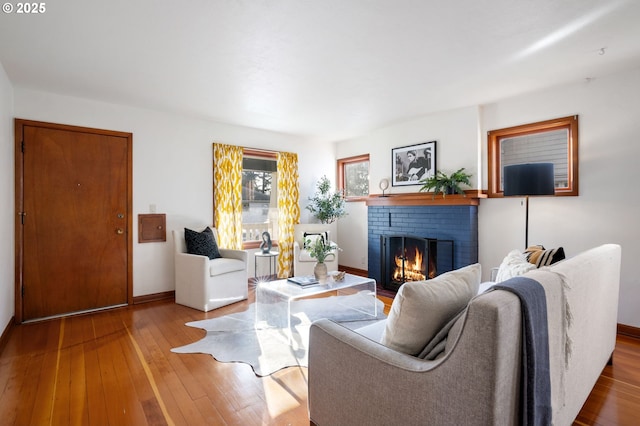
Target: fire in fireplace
point(408, 258)
point(409, 265)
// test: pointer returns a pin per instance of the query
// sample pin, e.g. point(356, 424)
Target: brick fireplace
point(454, 219)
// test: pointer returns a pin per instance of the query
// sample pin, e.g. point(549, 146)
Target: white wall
point(6, 201)
point(608, 205)
point(172, 166)
point(607, 209)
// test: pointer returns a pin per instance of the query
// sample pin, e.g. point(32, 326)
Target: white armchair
point(303, 263)
point(206, 284)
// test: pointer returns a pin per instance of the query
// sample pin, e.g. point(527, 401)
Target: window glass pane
point(543, 147)
point(259, 198)
point(356, 179)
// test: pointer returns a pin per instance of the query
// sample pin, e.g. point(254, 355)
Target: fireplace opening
point(409, 258)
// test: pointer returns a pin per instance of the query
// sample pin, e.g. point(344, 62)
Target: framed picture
point(412, 163)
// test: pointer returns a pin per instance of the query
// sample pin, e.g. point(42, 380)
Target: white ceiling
point(328, 69)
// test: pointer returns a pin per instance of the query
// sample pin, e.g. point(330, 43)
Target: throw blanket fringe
point(567, 318)
point(568, 322)
point(536, 381)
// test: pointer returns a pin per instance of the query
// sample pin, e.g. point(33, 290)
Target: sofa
point(476, 380)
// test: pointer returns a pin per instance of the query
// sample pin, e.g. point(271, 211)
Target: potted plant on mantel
point(446, 184)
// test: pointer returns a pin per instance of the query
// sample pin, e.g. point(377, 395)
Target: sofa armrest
point(354, 380)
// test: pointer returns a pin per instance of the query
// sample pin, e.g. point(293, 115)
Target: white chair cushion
point(224, 265)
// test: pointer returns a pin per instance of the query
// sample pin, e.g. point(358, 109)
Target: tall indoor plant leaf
point(325, 205)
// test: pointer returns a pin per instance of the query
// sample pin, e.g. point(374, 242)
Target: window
point(259, 196)
point(353, 177)
point(552, 141)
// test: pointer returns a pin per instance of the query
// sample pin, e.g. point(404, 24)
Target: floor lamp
point(528, 179)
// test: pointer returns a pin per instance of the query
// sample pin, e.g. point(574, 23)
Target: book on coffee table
point(304, 280)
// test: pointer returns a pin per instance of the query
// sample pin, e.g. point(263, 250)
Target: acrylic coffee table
point(274, 299)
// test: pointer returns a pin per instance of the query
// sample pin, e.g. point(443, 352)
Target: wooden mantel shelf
point(471, 198)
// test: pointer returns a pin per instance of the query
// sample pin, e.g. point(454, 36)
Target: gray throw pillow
point(422, 308)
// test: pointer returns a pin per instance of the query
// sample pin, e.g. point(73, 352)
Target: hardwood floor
point(115, 368)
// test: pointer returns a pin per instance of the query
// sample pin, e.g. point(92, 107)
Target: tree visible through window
point(259, 196)
point(353, 176)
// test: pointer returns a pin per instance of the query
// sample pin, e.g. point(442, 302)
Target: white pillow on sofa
point(422, 308)
point(514, 264)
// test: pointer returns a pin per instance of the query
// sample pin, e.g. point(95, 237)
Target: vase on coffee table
point(320, 271)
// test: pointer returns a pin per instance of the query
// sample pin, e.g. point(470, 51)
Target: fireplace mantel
point(471, 198)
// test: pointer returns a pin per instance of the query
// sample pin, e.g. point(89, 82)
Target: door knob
point(119, 231)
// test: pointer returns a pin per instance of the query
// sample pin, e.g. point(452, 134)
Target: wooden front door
point(73, 198)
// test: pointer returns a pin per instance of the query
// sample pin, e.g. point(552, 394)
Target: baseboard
point(154, 297)
point(6, 333)
point(354, 271)
point(627, 330)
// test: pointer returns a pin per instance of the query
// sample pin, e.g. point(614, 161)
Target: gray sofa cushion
point(422, 308)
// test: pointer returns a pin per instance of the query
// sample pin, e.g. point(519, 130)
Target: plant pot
point(320, 271)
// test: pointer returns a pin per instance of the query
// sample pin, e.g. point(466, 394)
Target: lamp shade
point(529, 179)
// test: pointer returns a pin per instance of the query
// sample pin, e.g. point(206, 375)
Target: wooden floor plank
point(96, 399)
point(42, 409)
point(113, 399)
point(25, 396)
point(210, 414)
point(116, 367)
point(78, 394)
point(60, 413)
point(169, 394)
point(123, 357)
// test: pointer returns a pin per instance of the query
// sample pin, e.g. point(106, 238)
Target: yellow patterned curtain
point(227, 194)
point(288, 210)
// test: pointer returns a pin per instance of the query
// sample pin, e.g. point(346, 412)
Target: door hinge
point(22, 215)
point(22, 146)
point(22, 291)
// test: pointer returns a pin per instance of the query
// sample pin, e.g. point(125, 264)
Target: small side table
point(272, 257)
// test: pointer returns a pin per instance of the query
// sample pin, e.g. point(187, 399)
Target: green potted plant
point(447, 184)
point(320, 250)
point(325, 205)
